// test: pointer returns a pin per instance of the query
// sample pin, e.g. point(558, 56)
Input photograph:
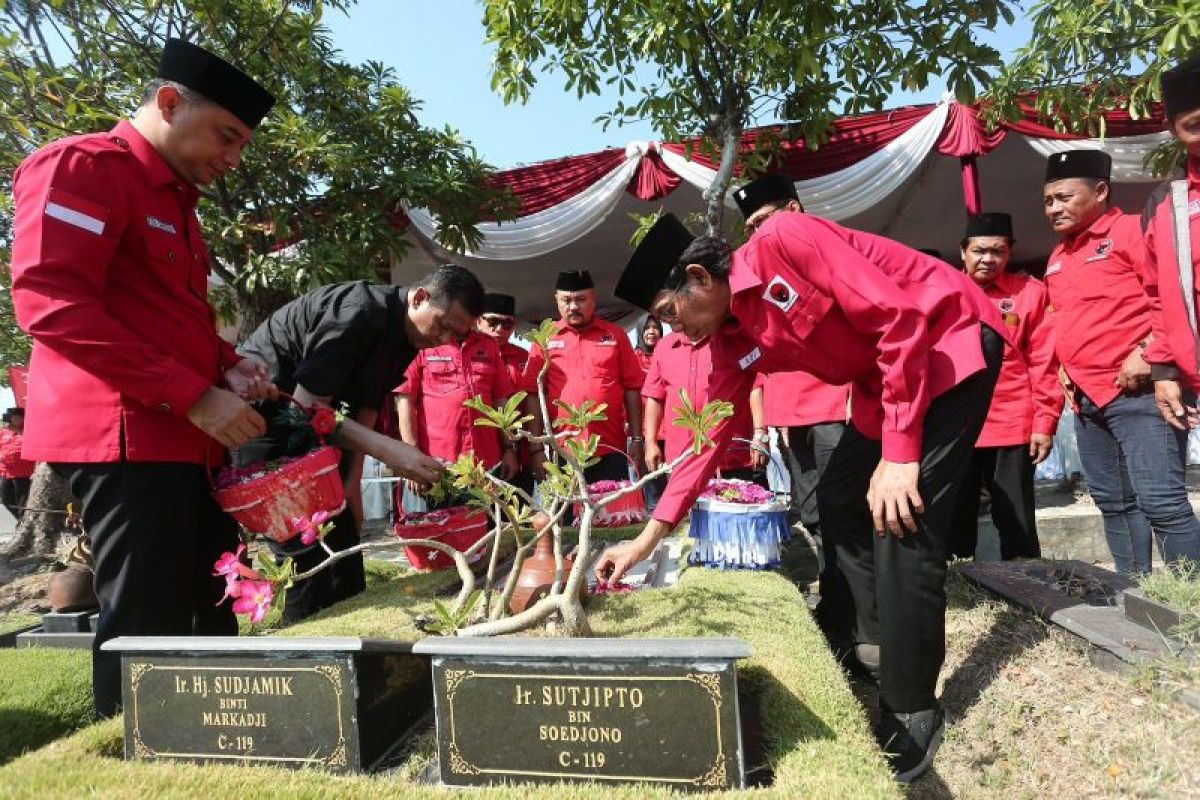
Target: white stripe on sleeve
point(76, 218)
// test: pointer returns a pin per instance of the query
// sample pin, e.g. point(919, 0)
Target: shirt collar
point(1099, 227)
point(158, 172)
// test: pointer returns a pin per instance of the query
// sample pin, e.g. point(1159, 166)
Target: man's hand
point(226, 417)
point(758, 451)
point(637, 456)
point(894, 498)
point(510, 465)
point(410, 462)
point(250, 379)
point(620, 558)
point(1168, 396)
point(1040, 445)
point(654, 456)
point(1135, 371)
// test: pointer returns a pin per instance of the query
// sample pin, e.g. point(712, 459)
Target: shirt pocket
point(603, 362)
point(442, 378)
point(168, 258)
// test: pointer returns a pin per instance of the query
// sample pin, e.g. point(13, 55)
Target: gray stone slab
point(255, 644)
point(585, 649)
point(1150, 613)
point(63, 641)
point(1108, 629)
point(68, 621)
point(1039, 585)
point(9, 640)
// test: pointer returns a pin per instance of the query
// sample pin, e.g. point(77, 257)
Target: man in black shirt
point(350, 343)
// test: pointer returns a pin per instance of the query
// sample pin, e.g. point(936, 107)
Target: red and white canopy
point(911, 174)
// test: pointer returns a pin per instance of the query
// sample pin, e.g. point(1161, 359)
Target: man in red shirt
point(1026, 404)
point(591, 359)
point(498, 322)
point(15, 471)
point(430, 402)
point(131, 392)
point(920, 345)
point(1104, 300)
point(1174, 260)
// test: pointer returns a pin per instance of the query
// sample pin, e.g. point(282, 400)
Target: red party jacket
point(679, 364)
point(595, 363)
point(793, 399)
point(1174, 342)
point(439, 380)
point(1103, 299)
point(110, 276)
point(1028, 398)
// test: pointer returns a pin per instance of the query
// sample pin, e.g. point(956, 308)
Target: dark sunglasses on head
point(500, 322)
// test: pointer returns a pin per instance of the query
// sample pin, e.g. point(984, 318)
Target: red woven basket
point(457, 526)
point(299, 488)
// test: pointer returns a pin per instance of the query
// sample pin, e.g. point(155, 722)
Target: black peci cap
point(767, 189)
point(574, 280)
point(1181, 87)
point(996, 223)
point(503, 304)
point(216, 79)
point(653, 260)
point(1079, 164)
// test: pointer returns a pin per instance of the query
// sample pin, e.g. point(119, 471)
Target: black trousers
point(14, 494)
point(807, 452)
point(156, 533)
point(1007, 472)
point(892, 590)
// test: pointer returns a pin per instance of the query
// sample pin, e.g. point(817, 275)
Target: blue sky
point(438, 52)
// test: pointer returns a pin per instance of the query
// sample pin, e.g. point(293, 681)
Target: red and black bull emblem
point(1104, 247)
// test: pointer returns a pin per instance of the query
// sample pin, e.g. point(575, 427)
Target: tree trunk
point(45, 523)
point(714, 195)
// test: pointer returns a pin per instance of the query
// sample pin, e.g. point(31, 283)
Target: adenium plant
point(513, 512)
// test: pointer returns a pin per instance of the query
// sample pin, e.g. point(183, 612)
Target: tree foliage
point(1085, 57)
point(328, 168)
point(712, 68)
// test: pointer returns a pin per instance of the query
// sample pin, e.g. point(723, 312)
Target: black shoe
point(910, 740)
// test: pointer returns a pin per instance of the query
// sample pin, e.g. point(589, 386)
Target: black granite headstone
point(610, 710)
point(336, 703)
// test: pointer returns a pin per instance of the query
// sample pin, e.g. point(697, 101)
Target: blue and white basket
point(738, 535)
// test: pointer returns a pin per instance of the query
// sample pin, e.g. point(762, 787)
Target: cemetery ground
point(1028, 714)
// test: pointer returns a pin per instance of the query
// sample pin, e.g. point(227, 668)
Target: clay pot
point(537, 576)
point(72, 589)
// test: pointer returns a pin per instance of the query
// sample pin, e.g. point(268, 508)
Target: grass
point(15, 621)
point(44, 694)
point(1028, 715)
point(1177, 585)
point(816, 736)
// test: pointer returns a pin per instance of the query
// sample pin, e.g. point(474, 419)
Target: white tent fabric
point(842, 194)
point(555, 227)
point(1128, 152)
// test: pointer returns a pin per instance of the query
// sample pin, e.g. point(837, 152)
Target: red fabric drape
point(548, 183)
point(852, 140)
point(964, 134)
point(654, 179)
point(1117, 124)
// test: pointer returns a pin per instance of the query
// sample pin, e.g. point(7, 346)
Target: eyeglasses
point(500, 322)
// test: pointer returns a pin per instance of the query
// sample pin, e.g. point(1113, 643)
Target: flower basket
point(738, 525)
point(300, 488)
point(458, 527)
point(627, 510)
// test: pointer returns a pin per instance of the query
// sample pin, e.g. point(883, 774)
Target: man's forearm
point(404, 413)
point(633, 410)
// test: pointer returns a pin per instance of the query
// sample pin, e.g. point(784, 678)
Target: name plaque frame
point(340, 704)
point(661, 711)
